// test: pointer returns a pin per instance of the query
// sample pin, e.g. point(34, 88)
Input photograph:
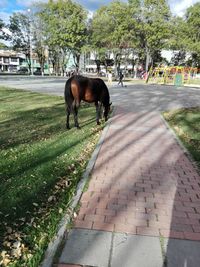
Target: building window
point(6, 60)
point(13, 59)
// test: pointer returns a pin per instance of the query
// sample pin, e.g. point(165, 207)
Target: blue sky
point(7, 7)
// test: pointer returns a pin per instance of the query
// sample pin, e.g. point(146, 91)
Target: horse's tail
point(68, 93)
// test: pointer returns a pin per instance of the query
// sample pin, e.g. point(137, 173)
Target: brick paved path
point(142, 182)
point(142, 187)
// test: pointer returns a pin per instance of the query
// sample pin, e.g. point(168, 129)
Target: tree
point(3, 32)
point(65, 23)
point(193, 32)
point(39, 40)
point(153, 26)
point(19, 26)
point(112, 28)
point(1, 27)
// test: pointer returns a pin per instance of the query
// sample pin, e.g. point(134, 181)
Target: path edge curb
point(56, 241)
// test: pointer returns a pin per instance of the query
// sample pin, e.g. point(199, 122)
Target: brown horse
point(91, 90)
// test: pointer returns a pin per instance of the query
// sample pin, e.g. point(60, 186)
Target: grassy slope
point(186, 124)
point(41, 164)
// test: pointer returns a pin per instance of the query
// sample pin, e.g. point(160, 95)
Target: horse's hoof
point(78, 127)
point(98, 123)
point(68, 128)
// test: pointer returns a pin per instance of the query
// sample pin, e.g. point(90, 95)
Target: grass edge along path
point(185, 122)
point(41, 167)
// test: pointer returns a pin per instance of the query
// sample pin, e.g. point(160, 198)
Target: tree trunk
point(147, 59)
point(77, 61)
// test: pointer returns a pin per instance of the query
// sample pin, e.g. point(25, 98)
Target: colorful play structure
point(172, 75)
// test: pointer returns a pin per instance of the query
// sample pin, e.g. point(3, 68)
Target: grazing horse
point(91, 90)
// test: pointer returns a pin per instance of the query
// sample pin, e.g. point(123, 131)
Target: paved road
point(133, 97)
point(54, 86)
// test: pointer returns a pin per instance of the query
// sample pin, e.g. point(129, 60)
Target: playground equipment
point(171, 75)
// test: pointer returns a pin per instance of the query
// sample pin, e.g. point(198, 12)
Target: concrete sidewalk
point(142, 207)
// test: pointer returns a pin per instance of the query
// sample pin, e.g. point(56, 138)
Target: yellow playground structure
point(171, 75)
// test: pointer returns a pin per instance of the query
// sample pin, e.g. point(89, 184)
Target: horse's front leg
point(101, 111)
point(97, 112)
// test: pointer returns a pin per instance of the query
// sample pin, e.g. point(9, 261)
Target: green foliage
point(65, 23)
point(112, 30)
point(20, 28)
point(141, 25)
point(2, 45)
point(153, 24)
point(1, 26)
point(193, 32)
point(185, 34)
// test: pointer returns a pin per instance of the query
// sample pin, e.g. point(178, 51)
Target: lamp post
point(30, 43)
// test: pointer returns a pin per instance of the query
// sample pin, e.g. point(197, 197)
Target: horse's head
point(106, 111)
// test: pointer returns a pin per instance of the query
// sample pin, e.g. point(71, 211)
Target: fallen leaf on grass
point(51, 198)
point(60, 210)
point(9, 230)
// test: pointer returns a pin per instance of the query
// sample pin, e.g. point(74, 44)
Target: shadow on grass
point(36, 152)
point(26, 127)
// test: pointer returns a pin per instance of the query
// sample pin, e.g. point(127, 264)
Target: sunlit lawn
point(186, 124)
point(41, 164)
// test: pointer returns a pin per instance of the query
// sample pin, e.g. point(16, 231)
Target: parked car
point(23, 71)
point(37, 72)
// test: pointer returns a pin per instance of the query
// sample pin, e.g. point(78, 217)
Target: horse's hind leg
point(67, 119)
point(75, 107)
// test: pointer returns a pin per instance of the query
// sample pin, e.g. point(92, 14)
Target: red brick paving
point(142, 182)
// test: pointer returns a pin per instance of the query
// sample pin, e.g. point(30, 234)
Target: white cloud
point(179, 7)
point(90, 14)
point(26, 3)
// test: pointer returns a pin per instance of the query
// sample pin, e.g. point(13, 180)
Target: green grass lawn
point(41, 164)
point(186, 124)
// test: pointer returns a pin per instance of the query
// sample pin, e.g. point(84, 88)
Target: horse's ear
point(110, 104)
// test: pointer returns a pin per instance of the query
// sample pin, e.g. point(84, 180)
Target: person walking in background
point(110, 78)
point(121, 76)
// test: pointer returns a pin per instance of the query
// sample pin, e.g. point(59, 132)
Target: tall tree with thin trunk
point(153, 26)
point(113, 28)
point(20, 28)
point(66, 27)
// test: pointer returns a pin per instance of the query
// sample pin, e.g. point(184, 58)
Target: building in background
point(10, 61)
